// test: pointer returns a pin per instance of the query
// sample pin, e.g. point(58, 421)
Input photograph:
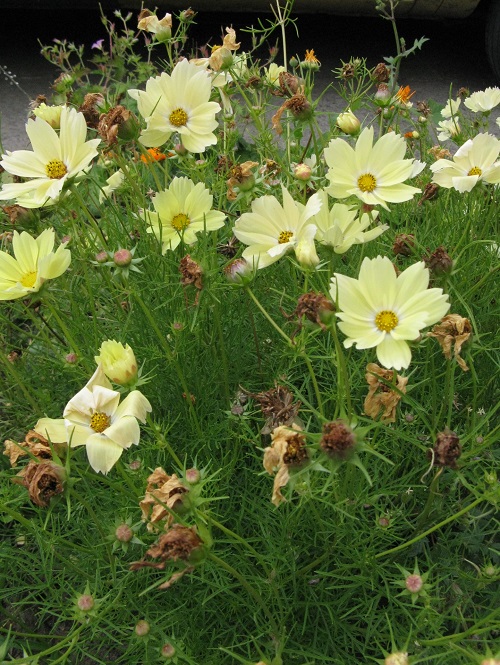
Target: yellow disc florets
point(386, 320)
point(367, 182)
point(180, 222)
point(100, 421)
point(178, 118)
point(29, 279)
point(475, 170)
point(56, 169)
point(284, 236)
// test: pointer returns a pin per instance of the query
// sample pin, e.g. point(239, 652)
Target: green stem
point(432, 529)
point(433, 490)
point(271, 321)
point(314, 382)
point(72, 637)
point(164, 442)
point(66, 332)
point(344, 375)
point(172, 359)
point(89, 216)
point(19, 383)
point(248, 588)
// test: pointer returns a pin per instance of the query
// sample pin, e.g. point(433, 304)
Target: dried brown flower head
point(439, 153)
point(430, 192)
point(447, 449)
point(191, 273)
point(381, 73)
point(242, 177)
point(110, 123)
point(287, 450)
point(381, 398)
point(439, 261)
point(278, 407)
point(43, 480)
point(404, 244)
point(313, 306)
point(338, 440)
point(16, 213)
point(452, 331)
point(163, 492)
point(179, 543)
point(90, 108)
point(33, 444)
point(348, 71)
point(288, 85)
point(299, 107)
point(423, 108)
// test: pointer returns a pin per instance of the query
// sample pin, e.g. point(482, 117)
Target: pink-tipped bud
point(302, 172)
point(85, 603)
point(193, 476)
point(71, 358)
point(124, 533)
point(123, 258)
point(168, 651)
point(142, 628)
point(398, 658)
point(102, 257)
point(414, 583)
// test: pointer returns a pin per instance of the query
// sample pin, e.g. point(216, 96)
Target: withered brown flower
point(431, 190)
point(287, 450)
point(43, 480)
point(179, 543)
point(33, 444)
point(163, 492)
point(314, 307)
point(338, 440)
point(447, 449)
point(404, 244)
point(241, 177)
point(110, 123)
point(299, 107)
point(452, 331)
point(278, 407)
point(191, 272)
point(439, 261)
point(90, 108)
point(381, 397)
point(381, 73)
point(288, 85)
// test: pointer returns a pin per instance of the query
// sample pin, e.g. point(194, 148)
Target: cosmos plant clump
point(249, 352)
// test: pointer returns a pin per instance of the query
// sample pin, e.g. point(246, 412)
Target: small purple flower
point(98, 44)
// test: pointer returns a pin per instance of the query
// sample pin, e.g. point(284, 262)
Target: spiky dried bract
point(338, 440)
point(452, 332)
point(179, 543)
point(382, 400)
point(278, 407)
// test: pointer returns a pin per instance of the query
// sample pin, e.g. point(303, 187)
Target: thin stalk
point(18, 382)
point(164, 442)
point(464, 511)
point(248, 588)
point(69, 638)
point(433, 491)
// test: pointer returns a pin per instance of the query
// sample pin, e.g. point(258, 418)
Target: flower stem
point(432, 529)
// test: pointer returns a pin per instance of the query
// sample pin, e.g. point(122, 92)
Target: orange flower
point(154, 155)
point(404, 95)
point(310, 57)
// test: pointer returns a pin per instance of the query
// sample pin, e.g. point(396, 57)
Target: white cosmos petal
point(102, 453)
point(53, 429)
point(392, 353)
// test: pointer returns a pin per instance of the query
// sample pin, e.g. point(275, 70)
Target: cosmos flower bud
point(302, 171)
point(118, 362)
point(142, 628)
point(397, 658)
point(123, 258)
point(348, 122)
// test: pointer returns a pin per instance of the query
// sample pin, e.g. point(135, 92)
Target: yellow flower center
point(29, 279)
point(475, 170)
point(367, 182)
point(180, 222)
point(284, 236)
point(56, 169)
point(100, 421)
point(386, 320)
point(178, 118)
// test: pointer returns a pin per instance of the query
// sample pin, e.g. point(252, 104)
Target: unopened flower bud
point(414, 583)
point(142, 628)
point(85, 603)
point(439, 262)
point(180, 150)
point(383, 94)
point(168, 651)
point(102, 257)
point(447, 449)
point(118, 362)
point(398, 658)
point(422, 119)
point(71, 358)
point(293, 62)
point(123, 258)
point(193, 476)
point(348, 123)
point(238, 271)
point(187, 16)
point(124, 533)
point(302, 171)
